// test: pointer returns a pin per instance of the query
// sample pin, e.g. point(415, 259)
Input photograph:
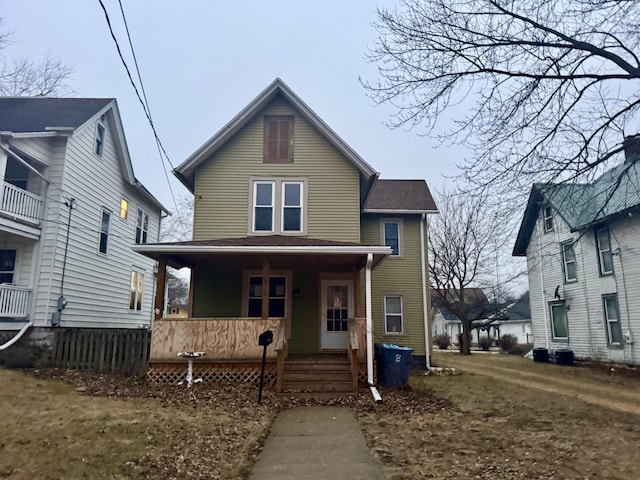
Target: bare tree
point(25, 77)
point(178, 291)
point(463, 241)
point(541, 90)
point(178, 227)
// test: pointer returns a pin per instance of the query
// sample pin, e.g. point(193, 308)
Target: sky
point(203, 61)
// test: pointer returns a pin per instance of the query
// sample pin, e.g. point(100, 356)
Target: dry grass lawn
point(503, 417)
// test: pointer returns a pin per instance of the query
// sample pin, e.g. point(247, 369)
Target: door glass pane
point(337, 308)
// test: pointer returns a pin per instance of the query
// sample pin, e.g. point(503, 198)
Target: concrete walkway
point(316, 443)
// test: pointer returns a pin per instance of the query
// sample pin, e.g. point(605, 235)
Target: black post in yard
point(265, 339)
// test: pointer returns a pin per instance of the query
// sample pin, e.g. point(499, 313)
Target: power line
point(144, 102)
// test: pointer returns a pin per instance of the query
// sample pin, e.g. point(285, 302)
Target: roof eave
point(399, 211)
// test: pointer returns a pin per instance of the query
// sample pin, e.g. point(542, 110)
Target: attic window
point(548, 219)
point(99, 144)
point(278, 139)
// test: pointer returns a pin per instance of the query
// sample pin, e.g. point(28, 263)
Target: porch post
point(161, 283)
point(369, 321)
point(265, 287)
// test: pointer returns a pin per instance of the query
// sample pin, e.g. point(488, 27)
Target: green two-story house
point(293, 232)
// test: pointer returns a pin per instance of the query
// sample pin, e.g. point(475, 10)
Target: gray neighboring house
point(582, 243)
point(70, 211)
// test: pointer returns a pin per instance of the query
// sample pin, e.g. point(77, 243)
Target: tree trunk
point(466, 340)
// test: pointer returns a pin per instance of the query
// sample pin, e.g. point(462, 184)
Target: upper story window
point(278, 139)
point(278, 206)
point(569, 262)
point(142, 227)
point(99, 141)
point(124, 209)
point(105, 222)
point(7, 265)
point(548, 218)
point(391, 236)
point(605, 256)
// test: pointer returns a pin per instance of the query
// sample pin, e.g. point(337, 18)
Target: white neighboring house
point(445, 322)
point(514, 320)
point(70, 211)
point(582, 243)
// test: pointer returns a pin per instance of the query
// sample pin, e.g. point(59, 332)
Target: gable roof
point(46, 116)
point(476, 301)
point(186, 170)
point(400, 196)
point(42, 114)
point(581, 205)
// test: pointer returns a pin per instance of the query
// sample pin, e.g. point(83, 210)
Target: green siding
point(222, 188)
point(217, 292)
point(304, 323)
point(397, 275)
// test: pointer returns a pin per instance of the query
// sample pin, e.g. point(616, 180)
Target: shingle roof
point(400, 196)
point(35, 114)
point(582, 205)
point(264, 241)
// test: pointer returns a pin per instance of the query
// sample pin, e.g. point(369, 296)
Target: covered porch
point(308, 293)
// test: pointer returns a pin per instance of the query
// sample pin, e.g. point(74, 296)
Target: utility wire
point(144, 102)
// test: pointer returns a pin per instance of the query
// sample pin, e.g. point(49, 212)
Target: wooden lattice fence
point(123, 351)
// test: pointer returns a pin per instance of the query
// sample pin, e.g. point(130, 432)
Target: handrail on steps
point(281, 348)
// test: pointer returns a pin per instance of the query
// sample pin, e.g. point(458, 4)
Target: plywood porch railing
point(221, 338)
point(281, 348)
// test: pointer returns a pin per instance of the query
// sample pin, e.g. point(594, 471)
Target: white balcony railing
point(15, 301)
point(21, 204)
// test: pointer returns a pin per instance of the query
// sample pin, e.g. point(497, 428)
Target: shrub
point(520, 349)
point(442, 341)
point(485, 343)
point(507, 342)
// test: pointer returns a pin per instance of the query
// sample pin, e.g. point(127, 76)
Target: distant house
point(514, 319)
point(70, 211)
point(582, 243)
point(294, 233)
point(445, 322)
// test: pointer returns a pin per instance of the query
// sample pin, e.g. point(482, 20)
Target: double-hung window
point(559, 322)
point(605, 256)
point(278, 206)
point(124, 208)
point(142, 227)
point(99, 140)
point(391, 234)
point(137, 286)
point(548, 218)
point(105, 221)
point(393, 322)
point(612, 317)
point(569, 262)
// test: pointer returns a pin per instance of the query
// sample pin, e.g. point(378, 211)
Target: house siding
point(41, 149)
point(389, 279)
point(222, 186)
point(585, 315)
point(96, 286)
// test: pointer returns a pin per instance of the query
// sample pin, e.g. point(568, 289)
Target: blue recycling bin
point(393, 362)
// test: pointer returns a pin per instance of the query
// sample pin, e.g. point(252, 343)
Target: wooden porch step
point(317, 387)
point(328, 376)
point(317, 367)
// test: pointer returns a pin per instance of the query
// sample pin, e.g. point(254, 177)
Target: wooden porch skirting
point(211, 371)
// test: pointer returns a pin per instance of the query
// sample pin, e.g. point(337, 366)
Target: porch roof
point(184, 254)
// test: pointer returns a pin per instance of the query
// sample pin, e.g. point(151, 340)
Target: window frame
point(136, 290)
point(124, 208)
point(280, 120)
point(400, 315)
point(104, 211)
point(547, 218)
point(142, 228)
point(601, 251)
point(278, 207)
point(383, 223)
point(99, 139)
point(609, 321)
point(565, 270)
point(552, 319)
point(248, 274)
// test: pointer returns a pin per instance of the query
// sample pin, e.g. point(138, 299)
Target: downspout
point(369, 328)
point(544, 306)
point(425, 309)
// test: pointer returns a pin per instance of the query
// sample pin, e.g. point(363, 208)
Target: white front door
point(335, 310)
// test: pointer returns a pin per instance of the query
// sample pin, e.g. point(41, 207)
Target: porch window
point(559, 323)
point(569, 262)
point(99, 141)
point(16, 174)
point(605, 257)
point(393, 314)
point(104, 231)
point(612, 317)
point(391, 233)
point(278, 139)
point(277, 296)
point(7, 265)
point(263, 199)
point(142, 227)
point(137, 285)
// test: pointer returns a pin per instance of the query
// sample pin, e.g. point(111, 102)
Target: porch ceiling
point(282, 252)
